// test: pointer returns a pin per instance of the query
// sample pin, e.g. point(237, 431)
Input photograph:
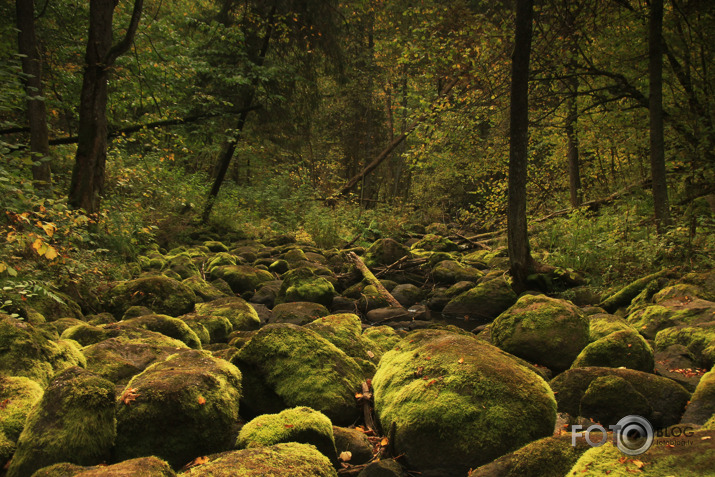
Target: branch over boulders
point(360, 265)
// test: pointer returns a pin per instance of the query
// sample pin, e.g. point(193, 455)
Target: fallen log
point(360, 265)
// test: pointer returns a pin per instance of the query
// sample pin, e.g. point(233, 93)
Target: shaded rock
point(624, 348)
point(441, 296)
point(298, 313)
point(382, 468)
point(371, 299)
point(286, 366)
point(353, 441)
point(451, 271)
point(59, 326)
point(144, 466)
point(267, 293)
point(242, 278)
point(407, 294)
point(385, 251)
point(18, 395)
point(215, 246)
point(135, 312)
point(178, 409)
point(625, 295)
point(609, 398)
point(294, 459)
point(485, 301)
point(342, 304)
point(476, 398)
point(699, 339)
point(300, 424)
point(542, 330)
point(666, 398)
point(183, 265)
point(204, 290)
point(672, 361)
point(237, 310)
point(302, 284)
point(279, 266)
point(73, 422)
point(52, 308)
point(387, 314)
point(702, 403)
point(603, 324)
point(166, 325)
point(435, 243)
point(159, 293)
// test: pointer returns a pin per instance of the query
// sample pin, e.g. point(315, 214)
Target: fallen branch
point(373, 280)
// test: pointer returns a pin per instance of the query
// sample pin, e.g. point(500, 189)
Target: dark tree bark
point(657, 143)
point(36, 113)
point(90, 161)
point(572, 148)
point(521, 262)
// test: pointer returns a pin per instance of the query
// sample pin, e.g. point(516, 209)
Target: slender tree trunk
point(657, 143)
point(522, 264)
point(36, 113)
point(572, 151)
point(90, 161)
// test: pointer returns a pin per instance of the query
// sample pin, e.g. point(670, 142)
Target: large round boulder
point(302, 284)
point(485, 301)
point(624, 348)
point(160, 294)
point(18, 395)
point(542, 330)
point(143, 466)
point(242, 278)
point(384, 251)
point(164, 324)
point(239, 312)
point(452, 402)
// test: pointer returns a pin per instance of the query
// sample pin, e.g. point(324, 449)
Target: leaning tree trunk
point(91, 157)
point(36, 113)
point(657, 143)
point(520, 259)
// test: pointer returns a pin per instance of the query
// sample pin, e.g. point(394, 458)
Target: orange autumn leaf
point(638, 463)
point(202, 401)
point(384, 442)
point(288, 426)
point(461, 361)
point(129, 395)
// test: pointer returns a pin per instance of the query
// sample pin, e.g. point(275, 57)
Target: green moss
point(237, 310)
point(295, 255)
point(242, 278)
point(702, 403)
point(221, 259)
point(85, 334)
point(142, 466)
point(7, 449)
point(381, 339)
point(288, 366)
point(679, 292)
point(185, 406)
point(625, 295)
point(354, 441)
point(385, 251)
point(73, 422)
point(53, 309)
point(458, 402)
point(609, 398)
point(710, 424)
point(159, 293)
point(542, 330)
point(302, 284)
point(218, 327)
point(18, 395)
point(183, 265)
point(166, 325)
point(203, 290)
point(603, 324)
point(298, 313)
point(451, 271)
point(300, 424)
point(193, 321)
point(700, 340)
point(302, 460)
point(215, 246)
point(485, 301)
point(624, 348)
point(435, 243)
point(344, 330)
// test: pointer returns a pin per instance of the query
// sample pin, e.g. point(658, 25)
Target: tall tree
point(521, 262)
point(657, 143)
point(36, 113)
point(90, 161)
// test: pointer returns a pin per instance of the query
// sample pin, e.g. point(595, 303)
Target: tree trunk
point(91, 157)
point(657, 145)
point(36, 113)
point(572, 150)
point(521, 262)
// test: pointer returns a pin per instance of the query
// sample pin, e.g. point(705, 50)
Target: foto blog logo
point(633, 435)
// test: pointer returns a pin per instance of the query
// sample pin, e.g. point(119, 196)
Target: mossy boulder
point(218, 327)
point(547, 457)
point(215, 246)
point(238, 311)
point(221, 259)
point(381, 339)
point(298, 313)
point(193, 321)
point(183, 265)
point(440, 296)
point(242, 278)
point(55, 307)
point(267, 293)
point(457, 402)
point(344, 330)
point(28, 351)
point(353, 441)
point(451, 271)
point(694, 458)
point(295, 255)
point(624, 296)
point(610, 398)
point(485, 301)
point(542, 330)
point(73, 422)
point(383, 468)
point(179, 409)
point(142, 466)
point(18, 395)
point(702, 403)
point(203, 290)
point(290, 459)
point(161, 294)
point(435, 243)
point(655, 318)
point(603, 324)
point(385, 251)
point(624, 348)
point(300, 424)
point(166, 325)
point(371, 299)
point(666, 398)
point(407, 294)
point(59, 326)
point(699, 340)
point(286, 366)
point(302, 284)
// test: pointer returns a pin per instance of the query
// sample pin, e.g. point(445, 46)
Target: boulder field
point(251, 358)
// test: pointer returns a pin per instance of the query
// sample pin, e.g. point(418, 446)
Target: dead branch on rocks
point(373, 280)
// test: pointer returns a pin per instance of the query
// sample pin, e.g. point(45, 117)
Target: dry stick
point(367, 408)
point(373, 281)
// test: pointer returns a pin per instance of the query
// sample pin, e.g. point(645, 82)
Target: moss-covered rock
point(625, 295)
point(344, 330)
point(292, 458)
point(218, 327)
point(691, 457)
point(183, 265)
point(73, 422)
point(353, 441)
point(381, 338)
point(286, 366)
point(18, 395)
point(300, 424)
point(166, 325)
point(485, 301)
point(702, 403)
point(655, 318)
point(194, 322)
point(142, 466)
point(383, 468)
point(55, 307)
point(624, 348)
point(547, 457)
point(666, 398)
point(302, 284)
point(440, 296)
point(242, 278)
point(203, 290)
point(699, 340)
point(457, 402)
point(542, 330)
point(7, 449)
point(298, 313)
point(215, 246)
point(178, 409)
point(609, 398)
point(451, 271)
point(407, 294)
point(267, 293)
point(28, 351)
point(59, 326)
point(385, 251)
point(435, 243)
point(237, 310)
point(603, 324)
point(159, 293)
